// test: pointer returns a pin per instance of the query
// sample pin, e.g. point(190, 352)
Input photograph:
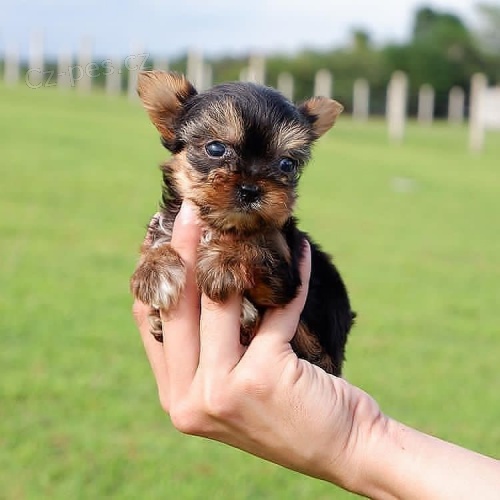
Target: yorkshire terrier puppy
point(238, 150)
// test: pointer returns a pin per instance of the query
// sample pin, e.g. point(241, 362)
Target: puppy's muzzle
point(248, 193)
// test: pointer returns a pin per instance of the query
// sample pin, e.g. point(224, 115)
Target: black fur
point(327, 312)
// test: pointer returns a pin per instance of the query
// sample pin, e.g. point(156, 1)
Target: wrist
point(382, 463)
point(355, 455)
point(397, 461)
point(374, 461)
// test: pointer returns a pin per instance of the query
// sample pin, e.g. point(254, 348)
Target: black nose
point(249, 192)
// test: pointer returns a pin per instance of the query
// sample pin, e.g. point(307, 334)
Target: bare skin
point(264, 400)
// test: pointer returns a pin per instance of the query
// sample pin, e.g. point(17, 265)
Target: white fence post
point(285, 85)
point(397, 97)
point(64, 62)
point(11, 64)
point(323, 82)
point(35, 74)
point(476, 128)
point(425, 114)
point(194, 69)
point(84, 68)
point(456, 102)
point(133, 65)
point(113, 84)
point(361, 100)
point(207, 76)
point(256, 71)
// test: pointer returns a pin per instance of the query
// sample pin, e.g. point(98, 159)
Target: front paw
point(159, 278)
point(219, 276)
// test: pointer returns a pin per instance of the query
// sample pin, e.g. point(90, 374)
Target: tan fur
point(159, 278)
point(155, 324)
point(290, 137)
point(183, 176)
point(307, 345)
point(226, 267)
point(163, 95)
point(249, 321)
point(324, 111)
point(216, 195)
point(221, 121)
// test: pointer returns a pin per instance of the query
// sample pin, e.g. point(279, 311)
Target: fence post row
point(483, 103)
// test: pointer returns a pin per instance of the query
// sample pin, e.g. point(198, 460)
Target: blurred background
point(404, 192)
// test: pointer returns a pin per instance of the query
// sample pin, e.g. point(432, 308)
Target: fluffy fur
point(238, 150)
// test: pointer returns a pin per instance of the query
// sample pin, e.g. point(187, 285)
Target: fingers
point(154, 350)
point(283, 321)
point(220, 335)
point(181, 342)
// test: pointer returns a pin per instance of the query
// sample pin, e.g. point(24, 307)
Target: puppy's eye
point(287, 165)
point(215, 149)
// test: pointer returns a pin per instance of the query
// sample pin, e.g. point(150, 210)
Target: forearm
point(400, 462)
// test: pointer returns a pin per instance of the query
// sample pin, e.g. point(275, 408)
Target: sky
point(170, 27)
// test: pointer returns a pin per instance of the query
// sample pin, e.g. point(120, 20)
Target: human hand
point(266, 401)
point(261, 399)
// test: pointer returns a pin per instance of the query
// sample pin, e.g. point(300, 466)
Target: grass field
point(414, 230)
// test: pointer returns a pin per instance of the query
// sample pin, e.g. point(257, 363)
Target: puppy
point(238, 150)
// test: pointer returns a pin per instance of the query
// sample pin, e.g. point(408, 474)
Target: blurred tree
point(360, 40)
point(488, 37)
point(442, 52)
point(489, 32)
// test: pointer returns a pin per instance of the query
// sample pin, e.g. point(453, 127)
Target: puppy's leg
point(222, 270)
point(249, 320)
point(155, 325)
point(159, 280)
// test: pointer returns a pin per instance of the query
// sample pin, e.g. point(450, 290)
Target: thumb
point(186, 234)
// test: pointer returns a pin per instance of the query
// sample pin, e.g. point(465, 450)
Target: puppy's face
point(238, 148)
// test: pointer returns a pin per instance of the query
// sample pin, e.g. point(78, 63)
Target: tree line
point(442, 51)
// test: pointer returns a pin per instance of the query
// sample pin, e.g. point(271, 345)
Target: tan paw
point(219, 276)
point(159, 278)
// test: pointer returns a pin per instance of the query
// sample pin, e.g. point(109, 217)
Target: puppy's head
point(238, 148)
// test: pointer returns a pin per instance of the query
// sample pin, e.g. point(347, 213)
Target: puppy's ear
point(163, 95)
point(321, 113)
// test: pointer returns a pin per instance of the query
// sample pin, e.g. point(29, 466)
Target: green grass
point(79, 416)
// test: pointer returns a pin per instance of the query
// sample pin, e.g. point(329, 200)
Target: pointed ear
point(163, 95)
point(321, 113)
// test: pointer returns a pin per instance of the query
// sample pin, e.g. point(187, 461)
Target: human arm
point(266, 401)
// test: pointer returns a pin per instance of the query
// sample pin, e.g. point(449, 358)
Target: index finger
point(181, 341)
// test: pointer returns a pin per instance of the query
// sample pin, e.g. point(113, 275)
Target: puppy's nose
point(249, 192)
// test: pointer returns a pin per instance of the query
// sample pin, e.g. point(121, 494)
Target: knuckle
point(164, 402)
point(254, 384)
point(218, 405)
point(187, 419)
